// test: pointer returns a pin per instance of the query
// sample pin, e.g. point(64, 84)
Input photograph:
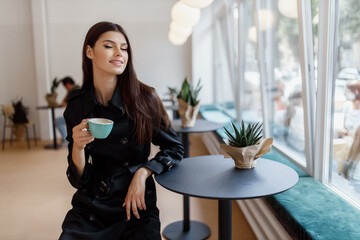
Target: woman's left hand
point(135, 197)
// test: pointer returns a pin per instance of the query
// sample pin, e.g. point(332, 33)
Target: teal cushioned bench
point(309, 209)
point(313, 211)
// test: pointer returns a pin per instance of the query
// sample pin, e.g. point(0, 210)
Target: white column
point(39, 24)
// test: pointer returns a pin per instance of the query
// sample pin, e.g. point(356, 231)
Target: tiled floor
point(35, 196)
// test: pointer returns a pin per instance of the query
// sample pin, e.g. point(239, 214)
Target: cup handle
point(87, 129)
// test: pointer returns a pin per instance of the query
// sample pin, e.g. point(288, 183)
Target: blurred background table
point(52, 109)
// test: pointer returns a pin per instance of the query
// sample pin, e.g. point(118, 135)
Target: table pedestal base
point(50, 146)
point(225, 215)
point(197, 230)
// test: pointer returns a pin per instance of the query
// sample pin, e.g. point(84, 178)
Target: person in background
point(351, 109)
point(70, 86)
point(116, 195)
point(351, 169)
point(294, 120)
point(278, 93)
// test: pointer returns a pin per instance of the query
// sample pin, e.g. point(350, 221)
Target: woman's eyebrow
point(110, 41)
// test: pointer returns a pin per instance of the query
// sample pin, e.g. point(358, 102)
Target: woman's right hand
point(81, 135)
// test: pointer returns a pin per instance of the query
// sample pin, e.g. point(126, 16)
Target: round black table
point(54, 145)
point(174, 108)
point(187, 229)
point(215, 177)
point(201, 125)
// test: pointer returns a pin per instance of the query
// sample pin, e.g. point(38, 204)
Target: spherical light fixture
point(267, 19)
point(184, 15)
point(197, 3)
point(175, 39)
point(180, 30)
point(288, 8)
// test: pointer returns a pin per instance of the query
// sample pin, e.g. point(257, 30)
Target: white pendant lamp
point(252, 34)
point(288, 8)
point(267, 19)
point(184, 15)
point(176, 39)
point(197, 3)
point(180, 30)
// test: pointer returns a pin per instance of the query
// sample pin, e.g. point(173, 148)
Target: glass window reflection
point(345, 170)
point(283, 80)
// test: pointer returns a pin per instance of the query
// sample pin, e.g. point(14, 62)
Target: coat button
point(92, 218)
point(126, 164)
point(148, 193)
point(122, 110)
point(124, 140)
point(89, 147)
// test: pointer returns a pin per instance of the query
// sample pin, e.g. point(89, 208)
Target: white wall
point(157, 62)
point(17, 67)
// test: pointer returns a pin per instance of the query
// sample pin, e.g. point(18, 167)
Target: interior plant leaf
point(245, 135)
point(172, 90)
point(189, 94)
point(54, 84)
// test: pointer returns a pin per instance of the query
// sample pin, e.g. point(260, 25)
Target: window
point(251, 105)
point(281, 78)
point(223, 83)
point(344, 170)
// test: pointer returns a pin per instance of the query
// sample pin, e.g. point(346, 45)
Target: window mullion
point(262, 69)
point(308, 81)
point(326, 68)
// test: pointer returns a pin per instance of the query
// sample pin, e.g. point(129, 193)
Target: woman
point(351, 109)
point(116, 196)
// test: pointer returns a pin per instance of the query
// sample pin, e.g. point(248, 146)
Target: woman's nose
point(118, 52)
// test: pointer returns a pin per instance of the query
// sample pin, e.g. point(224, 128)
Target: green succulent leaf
point(244, 135)
point(172, 90)
point(54, 84)
point(190, 94)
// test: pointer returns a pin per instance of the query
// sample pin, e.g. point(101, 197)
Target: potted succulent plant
point(246, 144)
point(188, 103)
point(51, 97)
point(173, 93)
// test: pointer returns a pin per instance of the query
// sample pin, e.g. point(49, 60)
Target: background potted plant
point(19, 117)
point(188, 103)
point(173, 93)
point(246, 144)
point(51, 97)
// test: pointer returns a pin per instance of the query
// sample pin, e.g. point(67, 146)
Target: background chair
point(8, 111)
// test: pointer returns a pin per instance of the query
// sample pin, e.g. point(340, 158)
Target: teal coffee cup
point(100, 127)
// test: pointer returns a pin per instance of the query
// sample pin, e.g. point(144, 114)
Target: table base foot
point(58, 146)
point(197, 230)
point(50, 146)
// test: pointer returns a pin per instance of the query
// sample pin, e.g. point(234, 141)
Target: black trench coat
point(97, 212)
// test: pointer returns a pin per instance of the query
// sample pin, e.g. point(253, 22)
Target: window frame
point(327, 56)
point(307, 75)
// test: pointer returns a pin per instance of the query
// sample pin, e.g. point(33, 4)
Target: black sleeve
point(171, 151)
point(76, 181)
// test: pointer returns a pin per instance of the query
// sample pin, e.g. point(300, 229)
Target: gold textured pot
point(188, 113)
point(245, 157)
point(51, 99)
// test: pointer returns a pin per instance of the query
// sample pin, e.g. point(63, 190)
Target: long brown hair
point(141, 102)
